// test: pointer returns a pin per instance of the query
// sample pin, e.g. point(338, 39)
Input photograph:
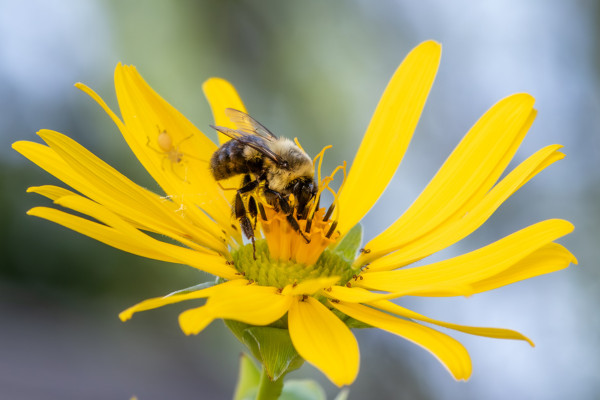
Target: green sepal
point(272, 347)
point(356, 324)
point(350, 244)
point(349, 321)
point(248, 379)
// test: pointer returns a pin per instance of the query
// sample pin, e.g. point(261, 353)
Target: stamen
point(335, 204)
point(298, 144)
point(320, 157)
point(332, 229)
point(329, 212)
point(320, 154)
point(343, 168)
point(326, 182)
point(308, 224)
point(321, 187)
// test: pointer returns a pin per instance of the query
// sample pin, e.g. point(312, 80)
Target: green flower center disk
point(277, 273)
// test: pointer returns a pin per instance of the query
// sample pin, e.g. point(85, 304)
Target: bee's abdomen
point(232, 159)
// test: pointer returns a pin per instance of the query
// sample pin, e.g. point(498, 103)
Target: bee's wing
point(250, 140)
point(247, 124)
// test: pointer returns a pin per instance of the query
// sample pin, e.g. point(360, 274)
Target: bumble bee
point(275, 162)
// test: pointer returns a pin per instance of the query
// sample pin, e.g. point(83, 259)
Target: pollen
point(285, 244)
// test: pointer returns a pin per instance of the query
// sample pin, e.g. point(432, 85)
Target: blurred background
point(315, 70)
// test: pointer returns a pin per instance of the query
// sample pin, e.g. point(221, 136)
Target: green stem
point(268, 389)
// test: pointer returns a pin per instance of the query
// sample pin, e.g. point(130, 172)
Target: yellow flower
point(315, 289)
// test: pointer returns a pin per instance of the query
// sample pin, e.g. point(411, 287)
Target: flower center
point(269, 271)
point(295, 246)
point(303, 246)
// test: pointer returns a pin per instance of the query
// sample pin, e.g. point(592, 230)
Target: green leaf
point(349, 245)
point(272, 347)
point(302, 390)
point(277, 352)
point(248, 378)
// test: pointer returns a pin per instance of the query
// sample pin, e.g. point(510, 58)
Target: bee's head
point(293, 166)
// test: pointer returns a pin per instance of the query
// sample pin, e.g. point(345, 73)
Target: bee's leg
point(303, 195)
point(245, 224)
point(287, 210)
point(272, 198)
point(248, 185)
point(263, 214)
point(240, 210)
point(253, 210)
point(294, 224)
point(225, 188)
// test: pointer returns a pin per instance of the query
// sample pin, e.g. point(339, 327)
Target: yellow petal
point(50, 191)
point(497, 333)
point(49, 161)
point(151, 155)
point(466, 176)
point(195, 320)
point(221, 95)
point(252, 304)
point(467, 269)
point(552, 257)
point(323, 340)
point(102, 183)
point(100, 232)
point(170, 147)
point(157, 302)
point(388, 134)
point(57, 193)
point(310, 286)
point(447, 350)
point(452, 231)
point(104, 215)
point(356, 294)
point(127, 239)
